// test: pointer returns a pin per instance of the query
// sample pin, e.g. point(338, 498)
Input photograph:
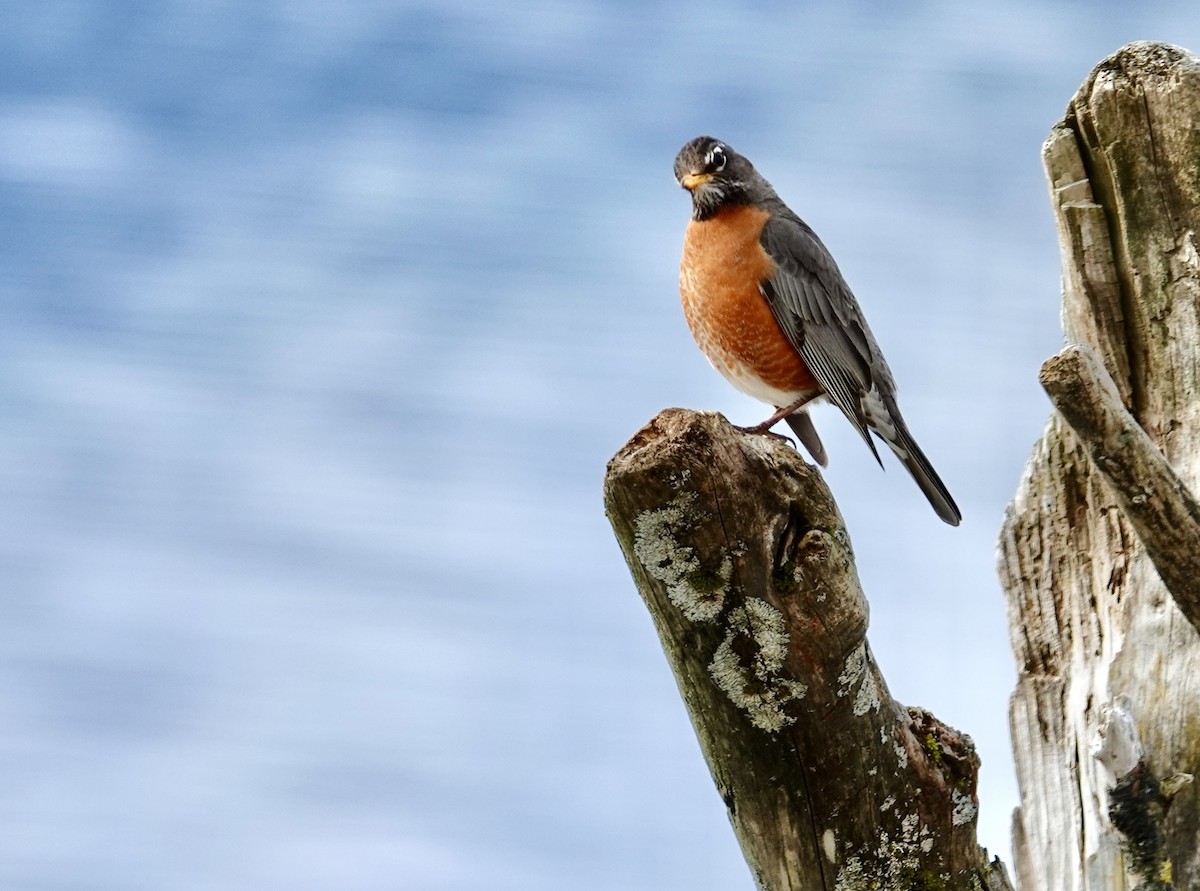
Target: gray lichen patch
point(680, 479)
point(697, 591)
point(965, 808)
point(748, 665)
point(856, 678)
point(898, 862)
point(901, 755)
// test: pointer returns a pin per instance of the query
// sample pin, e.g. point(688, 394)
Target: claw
point(765, 430)
point(780, 413)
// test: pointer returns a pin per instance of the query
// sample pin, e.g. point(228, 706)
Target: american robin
point(769, 307)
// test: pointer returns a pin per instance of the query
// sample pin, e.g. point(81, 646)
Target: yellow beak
point(692, 180)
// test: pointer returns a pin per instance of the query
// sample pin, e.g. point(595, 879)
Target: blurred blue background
point(321, 321)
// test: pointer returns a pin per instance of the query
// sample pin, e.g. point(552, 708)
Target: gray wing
point(817, 311)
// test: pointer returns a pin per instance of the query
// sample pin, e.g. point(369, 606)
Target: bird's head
point(716, 175)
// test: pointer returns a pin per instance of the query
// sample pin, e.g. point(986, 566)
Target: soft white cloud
point(70, 143)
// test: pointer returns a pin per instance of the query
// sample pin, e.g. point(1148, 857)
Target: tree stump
point(742, 558)
point(1100, 549)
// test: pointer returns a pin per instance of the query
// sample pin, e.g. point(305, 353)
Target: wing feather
point(818, 313)
point(820, 317)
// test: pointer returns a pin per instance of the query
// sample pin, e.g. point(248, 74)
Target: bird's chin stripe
point(707, 200)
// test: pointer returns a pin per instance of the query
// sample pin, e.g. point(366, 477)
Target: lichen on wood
point(740, 554)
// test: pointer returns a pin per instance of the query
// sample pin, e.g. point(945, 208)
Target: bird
point(770, 309)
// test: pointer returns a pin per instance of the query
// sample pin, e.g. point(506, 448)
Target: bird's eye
point(717, 159)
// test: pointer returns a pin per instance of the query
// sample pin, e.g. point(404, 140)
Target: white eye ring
point(717, 158)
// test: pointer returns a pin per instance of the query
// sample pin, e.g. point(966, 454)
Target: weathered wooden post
point(742, 558)
point(1100, 551)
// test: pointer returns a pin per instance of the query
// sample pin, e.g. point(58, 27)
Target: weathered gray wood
point(1161, 509)
point(741, 557)
point(1094, 629)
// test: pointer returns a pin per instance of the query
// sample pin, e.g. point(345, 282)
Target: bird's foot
point(764, 429)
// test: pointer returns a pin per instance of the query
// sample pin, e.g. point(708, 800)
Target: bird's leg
point(780, 414)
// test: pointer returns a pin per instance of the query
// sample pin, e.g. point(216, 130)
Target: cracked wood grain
point(1103, 515)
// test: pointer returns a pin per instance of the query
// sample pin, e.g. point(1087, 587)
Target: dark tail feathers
point(922, 471)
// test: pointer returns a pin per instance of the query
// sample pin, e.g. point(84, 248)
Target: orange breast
point(723, 264)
